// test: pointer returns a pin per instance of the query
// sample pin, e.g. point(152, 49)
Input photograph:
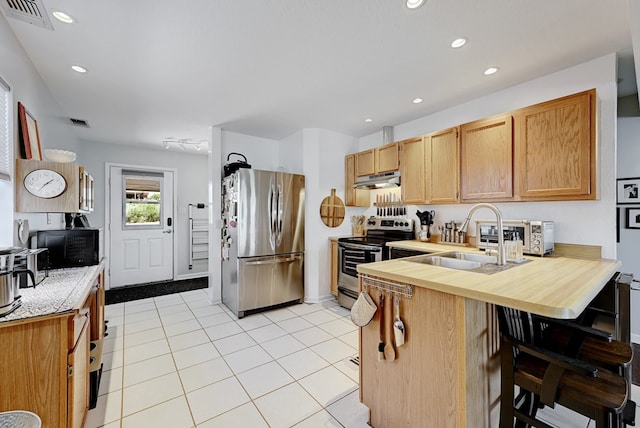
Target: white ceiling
point(268, 68)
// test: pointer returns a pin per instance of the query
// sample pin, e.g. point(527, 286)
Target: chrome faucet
point(502, 254)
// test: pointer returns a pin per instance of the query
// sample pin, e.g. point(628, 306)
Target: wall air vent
point(79, 122)
point(31, 11)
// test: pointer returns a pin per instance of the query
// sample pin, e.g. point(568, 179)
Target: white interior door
point(141, 226)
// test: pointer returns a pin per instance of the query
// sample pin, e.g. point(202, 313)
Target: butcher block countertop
point(558, 287)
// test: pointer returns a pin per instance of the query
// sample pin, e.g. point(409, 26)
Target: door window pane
point(142, 202)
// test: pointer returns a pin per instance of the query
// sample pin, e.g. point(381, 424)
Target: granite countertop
point(58, 293)
point(558, 287)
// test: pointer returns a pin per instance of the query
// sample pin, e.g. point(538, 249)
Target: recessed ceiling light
point(63, 17)
point(416, 100)
point(491, 70)
point(458, 43)
point(78, 68)
point(414, 4)
point(368, 120)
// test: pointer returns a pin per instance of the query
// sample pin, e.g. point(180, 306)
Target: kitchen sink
point(482, 258)
point(443, 261)
point(469, 262)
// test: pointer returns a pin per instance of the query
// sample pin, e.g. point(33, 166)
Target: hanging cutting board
point(332, 210)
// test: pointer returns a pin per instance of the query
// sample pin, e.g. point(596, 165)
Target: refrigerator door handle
point(280, 214)
point(272, 218)
point(273, 260)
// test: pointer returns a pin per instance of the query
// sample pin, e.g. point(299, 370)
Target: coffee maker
point(426, 220)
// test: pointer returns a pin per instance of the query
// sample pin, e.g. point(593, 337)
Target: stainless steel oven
point(350, 256)
point(367, 249)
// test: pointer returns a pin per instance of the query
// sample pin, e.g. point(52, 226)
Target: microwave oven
point(537, 236)
point(70, 247)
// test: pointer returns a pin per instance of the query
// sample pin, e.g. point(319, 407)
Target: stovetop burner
point(364, 240)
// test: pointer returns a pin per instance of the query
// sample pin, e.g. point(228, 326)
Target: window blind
point(5, 140)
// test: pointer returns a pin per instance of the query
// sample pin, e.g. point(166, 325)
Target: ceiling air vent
point(79, 122)
point(31, 11)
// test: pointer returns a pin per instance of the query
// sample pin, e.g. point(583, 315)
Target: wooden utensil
point(389, 351)
point(398, 325)
point(332, 210)
point(381, 344)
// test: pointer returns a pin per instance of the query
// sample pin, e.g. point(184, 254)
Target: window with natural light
point(142, 202)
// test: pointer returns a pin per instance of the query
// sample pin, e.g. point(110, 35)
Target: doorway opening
point(139, 213)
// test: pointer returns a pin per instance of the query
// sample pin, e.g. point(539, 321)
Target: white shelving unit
point(198, 234)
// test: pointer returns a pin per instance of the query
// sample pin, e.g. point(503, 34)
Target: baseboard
point(635, 338)
point(191, 276)
point(318, 299)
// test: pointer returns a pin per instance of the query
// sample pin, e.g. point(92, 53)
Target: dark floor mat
point(154, 289)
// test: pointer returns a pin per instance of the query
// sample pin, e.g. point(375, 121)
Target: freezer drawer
point(265, 281)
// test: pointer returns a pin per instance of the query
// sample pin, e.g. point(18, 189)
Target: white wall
point(28, 88)
point(191, 188)
point(577, 222)
point(323, 160)
point(261, 153)
point(628, 249)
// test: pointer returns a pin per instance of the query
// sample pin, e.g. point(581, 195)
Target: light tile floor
point(176, 361)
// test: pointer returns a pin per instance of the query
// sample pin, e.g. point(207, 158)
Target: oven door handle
point(360, 247)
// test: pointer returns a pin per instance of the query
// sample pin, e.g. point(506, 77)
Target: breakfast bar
point(447, 373)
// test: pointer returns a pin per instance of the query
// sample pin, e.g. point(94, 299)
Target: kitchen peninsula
point(48, 344)
point(448, 371)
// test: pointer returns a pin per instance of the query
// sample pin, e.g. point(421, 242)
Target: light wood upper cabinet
point(353, 197)
point(86, 189)
point(76, 197)
point(365, 163)
point(387, 158)
point(486, 159)
point(442, 158)
point(429, 167)
point(556, 149)
point(413, 171)
point(378, 160)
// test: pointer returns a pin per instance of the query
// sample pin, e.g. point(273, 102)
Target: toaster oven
point(537, 236)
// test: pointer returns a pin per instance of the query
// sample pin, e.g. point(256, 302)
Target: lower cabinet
point(446, 374)
point(334, 267)
point(78, 380)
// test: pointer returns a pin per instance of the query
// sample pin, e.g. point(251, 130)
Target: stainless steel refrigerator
point(262, 239)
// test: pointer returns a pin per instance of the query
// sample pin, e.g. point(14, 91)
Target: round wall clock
point(45, 183)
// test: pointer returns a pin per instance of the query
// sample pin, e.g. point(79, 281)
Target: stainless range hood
point(378, 181)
